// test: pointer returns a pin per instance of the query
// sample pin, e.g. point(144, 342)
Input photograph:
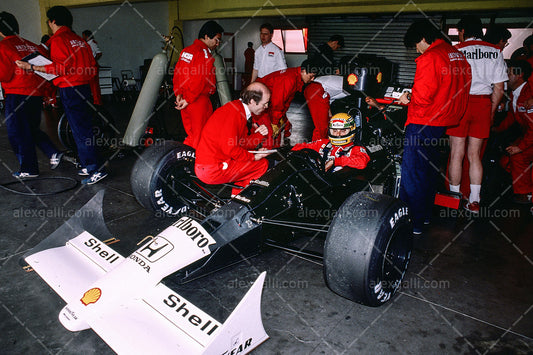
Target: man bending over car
point(339, 150)
point(222, 154)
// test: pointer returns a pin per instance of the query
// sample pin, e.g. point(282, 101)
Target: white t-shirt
point(94, 47)
point(246, 110)
point(486, 61)
point(516, 94)
point(269, 59)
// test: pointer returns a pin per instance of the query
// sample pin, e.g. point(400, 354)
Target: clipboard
point(38, 59)
point(268, 151)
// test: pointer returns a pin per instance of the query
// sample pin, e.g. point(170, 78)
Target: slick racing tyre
point(65, 133)
point(103, 129)
point(368, 247)
point(161, 177)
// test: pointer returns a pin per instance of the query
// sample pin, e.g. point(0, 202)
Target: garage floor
point(468, 289)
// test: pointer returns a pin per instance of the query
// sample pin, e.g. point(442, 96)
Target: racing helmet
point(341, 121)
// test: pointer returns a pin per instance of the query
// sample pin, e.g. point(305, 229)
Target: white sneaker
point(83, 172)
point(55, 160)
point(94, 178)
point(21, 175)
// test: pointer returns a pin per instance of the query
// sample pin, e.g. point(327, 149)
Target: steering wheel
point(312, 158)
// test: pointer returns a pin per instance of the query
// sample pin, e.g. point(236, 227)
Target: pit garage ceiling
point(203, 9)
point(213, 9)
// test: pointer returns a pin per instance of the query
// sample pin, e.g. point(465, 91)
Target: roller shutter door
point(381, 35)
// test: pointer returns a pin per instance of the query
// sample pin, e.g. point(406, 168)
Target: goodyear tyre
point(161, 177)
point(368, 247)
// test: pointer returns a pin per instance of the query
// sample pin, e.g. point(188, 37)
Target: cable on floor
point(69, 187)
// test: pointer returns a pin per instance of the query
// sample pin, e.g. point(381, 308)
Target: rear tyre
point(65, 134)
point(161, 178)
point(103, 130)
point(368, 247)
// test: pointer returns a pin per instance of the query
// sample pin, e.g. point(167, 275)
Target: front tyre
point(161, 178)
point(368, 247)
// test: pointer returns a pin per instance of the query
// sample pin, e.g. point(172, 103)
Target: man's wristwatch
point(31, 66)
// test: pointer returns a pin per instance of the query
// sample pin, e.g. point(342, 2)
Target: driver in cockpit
point(339, 149)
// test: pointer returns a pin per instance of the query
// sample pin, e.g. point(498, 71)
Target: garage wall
point(127, 33)
point(28, 16)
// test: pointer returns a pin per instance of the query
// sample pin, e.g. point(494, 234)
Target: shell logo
point(91, 296)
point(352, 79)
point(379, 77)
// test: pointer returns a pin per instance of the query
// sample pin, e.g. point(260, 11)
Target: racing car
point(365, 228)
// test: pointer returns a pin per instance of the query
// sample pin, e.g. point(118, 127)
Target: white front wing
point(122, 300)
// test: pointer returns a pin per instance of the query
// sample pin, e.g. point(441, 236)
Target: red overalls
point(521, 162)
point(318, 104)
point(195, 80)
point(347, 155)
point(283, 85)
point(222, 153)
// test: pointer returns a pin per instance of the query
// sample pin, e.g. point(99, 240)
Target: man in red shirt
point(23, 96)
point(520, 151)
point(194, 81)
point(283, 84)
point(439, 99)
point(74, 65)
point(222, 155)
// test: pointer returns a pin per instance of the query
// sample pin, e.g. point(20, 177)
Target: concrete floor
point(468, 289)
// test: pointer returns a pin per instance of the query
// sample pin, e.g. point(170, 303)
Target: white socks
point(474, 193)
point(455, 188)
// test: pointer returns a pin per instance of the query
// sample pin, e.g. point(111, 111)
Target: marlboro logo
point(479, 54)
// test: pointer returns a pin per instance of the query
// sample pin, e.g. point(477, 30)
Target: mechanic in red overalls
point(23, 98)
point(283, 84)
point(195, 80)
point(74, 65)
point(339, 150)
point(520, 151)
point(318, 103)
point(319, 95)
point(222, 155)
